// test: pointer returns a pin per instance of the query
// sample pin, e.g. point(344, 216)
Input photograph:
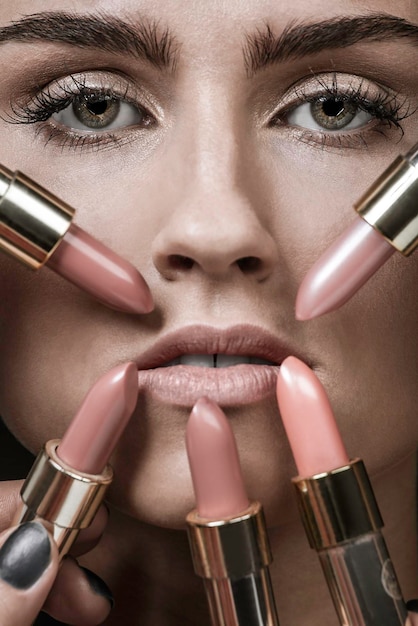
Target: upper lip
point(242, 339)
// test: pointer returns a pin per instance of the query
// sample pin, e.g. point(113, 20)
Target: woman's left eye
point(340, 110)
point(329, 114)
point(95, 113)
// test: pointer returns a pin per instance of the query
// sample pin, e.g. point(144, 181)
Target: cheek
point(56, 340)
point(313, 195)
point(367, 351)
point(372, 371)
point(52, 351)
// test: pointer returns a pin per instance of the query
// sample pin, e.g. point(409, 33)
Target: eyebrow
point(298, 40)
point(145, 40)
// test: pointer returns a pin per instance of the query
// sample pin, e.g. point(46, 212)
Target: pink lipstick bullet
point(387, 222)
point(36, 228)
point(69, 478)
point(228, 536)
point(337, 505)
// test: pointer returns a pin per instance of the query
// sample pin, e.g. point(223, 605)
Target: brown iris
point(332, 114)
point(96, 113)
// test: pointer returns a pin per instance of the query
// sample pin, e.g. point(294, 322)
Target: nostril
point(249, 264)
point(180, 262)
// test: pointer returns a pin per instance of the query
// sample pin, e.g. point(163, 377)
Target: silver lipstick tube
point(343, 524)
point(390, 205)
point(33, 221)
point(232, 556)
point(63, 499)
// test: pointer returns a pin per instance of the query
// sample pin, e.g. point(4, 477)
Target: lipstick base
point(363, 583)
point(343, 524)
point(237, 602)
point(232, 556)
point(64, 500)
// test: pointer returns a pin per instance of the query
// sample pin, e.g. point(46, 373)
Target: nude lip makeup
point(237, 364)
point(337, 505)
point(388, 221)
point(36, 228)
point(227, 532)
point(69, 478)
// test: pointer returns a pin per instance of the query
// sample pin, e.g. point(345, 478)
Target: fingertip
point(79, 596)
point(98, 586)
point(25, 554)
point(28, 567)
point(89, 537)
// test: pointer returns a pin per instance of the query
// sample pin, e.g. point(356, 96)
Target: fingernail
point(25, 555)
point(99, 586)
point(412, 605)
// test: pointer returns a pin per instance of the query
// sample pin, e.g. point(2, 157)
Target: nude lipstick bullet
point(69, 478)
point(387, 222)
point(227, 532)
point(36, 228)
point(337, 506)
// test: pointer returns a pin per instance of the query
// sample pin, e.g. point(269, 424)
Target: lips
point(216, 360)
point(232, 366)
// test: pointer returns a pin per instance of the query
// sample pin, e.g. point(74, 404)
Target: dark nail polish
point(25, 555)
point(412, 605)
point(99, 586)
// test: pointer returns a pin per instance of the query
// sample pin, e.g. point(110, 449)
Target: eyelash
point(387, 108)
point(59, 96)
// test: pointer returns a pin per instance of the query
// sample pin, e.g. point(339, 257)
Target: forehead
point(188, 15)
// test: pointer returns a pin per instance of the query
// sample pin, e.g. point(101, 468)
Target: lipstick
point(387, 221)
point(337, 505)
point(69, 478)
point(227, 532)
point(36, 228)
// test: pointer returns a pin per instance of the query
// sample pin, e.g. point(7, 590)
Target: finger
point(90, 537)
point(79, 596)
point(9, 501)
point(412, 607)
point(28, 567)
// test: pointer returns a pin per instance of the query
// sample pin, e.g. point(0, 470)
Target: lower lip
point(183, 385)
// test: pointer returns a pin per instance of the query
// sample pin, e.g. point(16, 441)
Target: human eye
point(83, 110)
point(341, 110)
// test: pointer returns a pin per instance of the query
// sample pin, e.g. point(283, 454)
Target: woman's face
point(219, 147)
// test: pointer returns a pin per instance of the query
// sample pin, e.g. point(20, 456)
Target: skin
point(212, 181)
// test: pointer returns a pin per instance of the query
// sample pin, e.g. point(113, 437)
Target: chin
point(152, 477)
point(157, 500)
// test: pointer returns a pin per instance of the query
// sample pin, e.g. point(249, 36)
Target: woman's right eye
point(97, 109)
point(96, 113)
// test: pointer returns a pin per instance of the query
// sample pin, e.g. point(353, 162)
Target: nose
point(218, 235)
point(216, 230)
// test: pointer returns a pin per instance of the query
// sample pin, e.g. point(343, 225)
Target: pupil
point(97, 108)
point(333, 108)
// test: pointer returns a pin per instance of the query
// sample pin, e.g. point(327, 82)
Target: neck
point(150, 573)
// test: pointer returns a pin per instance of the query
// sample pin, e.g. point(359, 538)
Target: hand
point(412, 606)
point(31, 578)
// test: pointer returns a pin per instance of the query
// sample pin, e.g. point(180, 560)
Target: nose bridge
point(211, 137)
point(212, 223)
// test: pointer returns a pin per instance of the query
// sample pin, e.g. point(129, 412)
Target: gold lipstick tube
point(232, 556)
point(343, 524)
point(65, 500)
point(32, 220)
point(390, 205)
